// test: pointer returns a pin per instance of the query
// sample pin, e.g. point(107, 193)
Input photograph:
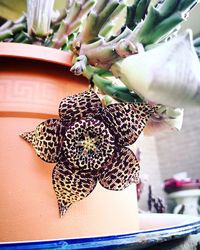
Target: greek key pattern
point(30, 95)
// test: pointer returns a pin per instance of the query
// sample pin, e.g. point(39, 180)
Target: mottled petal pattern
point(120, 173)
point(46, 139)
point(82, 105)
point(88, 144)
point(71, 185)
point(126, 121)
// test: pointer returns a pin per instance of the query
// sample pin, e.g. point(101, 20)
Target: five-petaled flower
point(89, 144)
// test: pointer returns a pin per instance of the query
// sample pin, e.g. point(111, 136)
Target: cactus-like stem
point(136, 13)
point(57, 17)
point(22, 37)
point(97, 18)
point(197, 42)
point(158, 23)
point(9, 29)
point(107, 29)
point(104, 54)
point(163, 19)
point(72, 21)
point(197, 46)
point(118, 92)
point(6, 25)
point(7, 33)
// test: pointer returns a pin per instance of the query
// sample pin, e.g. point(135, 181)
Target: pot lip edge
point(35, 52)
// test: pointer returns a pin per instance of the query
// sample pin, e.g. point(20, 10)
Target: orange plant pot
point(33, 80)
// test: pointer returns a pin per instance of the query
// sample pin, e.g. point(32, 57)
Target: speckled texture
point(89, 143)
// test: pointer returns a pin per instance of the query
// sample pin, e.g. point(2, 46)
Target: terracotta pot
point(33, 80)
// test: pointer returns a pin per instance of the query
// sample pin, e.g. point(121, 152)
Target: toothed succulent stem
point(57, 17)
point(61, 35)
point(136, 13)
point(104, 54)
point(161, 20)
point(96, 19)
point(5, 34)
point(9, 32)
point(72, 21)
point(108, 26)
point(118, 92)
point(6, 25)
point(197, 49)
point(197, 46)
point(106, 30)
point(22, 37)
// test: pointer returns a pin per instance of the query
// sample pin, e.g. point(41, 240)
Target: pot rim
point(36, 52)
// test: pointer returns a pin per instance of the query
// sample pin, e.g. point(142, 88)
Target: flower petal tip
point(62, 210)
point(27, 136)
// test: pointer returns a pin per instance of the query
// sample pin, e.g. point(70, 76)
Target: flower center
point(88, 144)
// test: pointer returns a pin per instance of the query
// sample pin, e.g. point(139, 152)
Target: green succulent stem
point(60, 36)
point(97, 18)
point(72, 21)
point(136, 13)
point(117, 11)
point(163, 28)
point(197, 42)
point(158, 24)
point(107, 29)
point(6, 25)
point(118, 92)
point(55, 21)
point(5, 34)
point(167, 8)
point(197, 46)
point(104, 53)
point(198, 51)
point(16, 28)
point(141, 10)
point(161, 20)
point(22, 37)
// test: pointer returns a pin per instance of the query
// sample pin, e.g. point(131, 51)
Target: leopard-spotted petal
point(121, 172)
point(82, 105)
point(71, 185)
point(126, 120)
point(46, 140)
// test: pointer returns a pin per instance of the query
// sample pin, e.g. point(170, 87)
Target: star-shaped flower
point(89, 144)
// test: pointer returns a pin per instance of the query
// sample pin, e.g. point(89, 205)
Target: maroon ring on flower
point(89, 144)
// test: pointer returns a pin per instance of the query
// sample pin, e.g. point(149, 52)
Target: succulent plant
point(144, 50)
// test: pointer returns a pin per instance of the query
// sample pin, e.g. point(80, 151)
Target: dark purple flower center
point(88, 144)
